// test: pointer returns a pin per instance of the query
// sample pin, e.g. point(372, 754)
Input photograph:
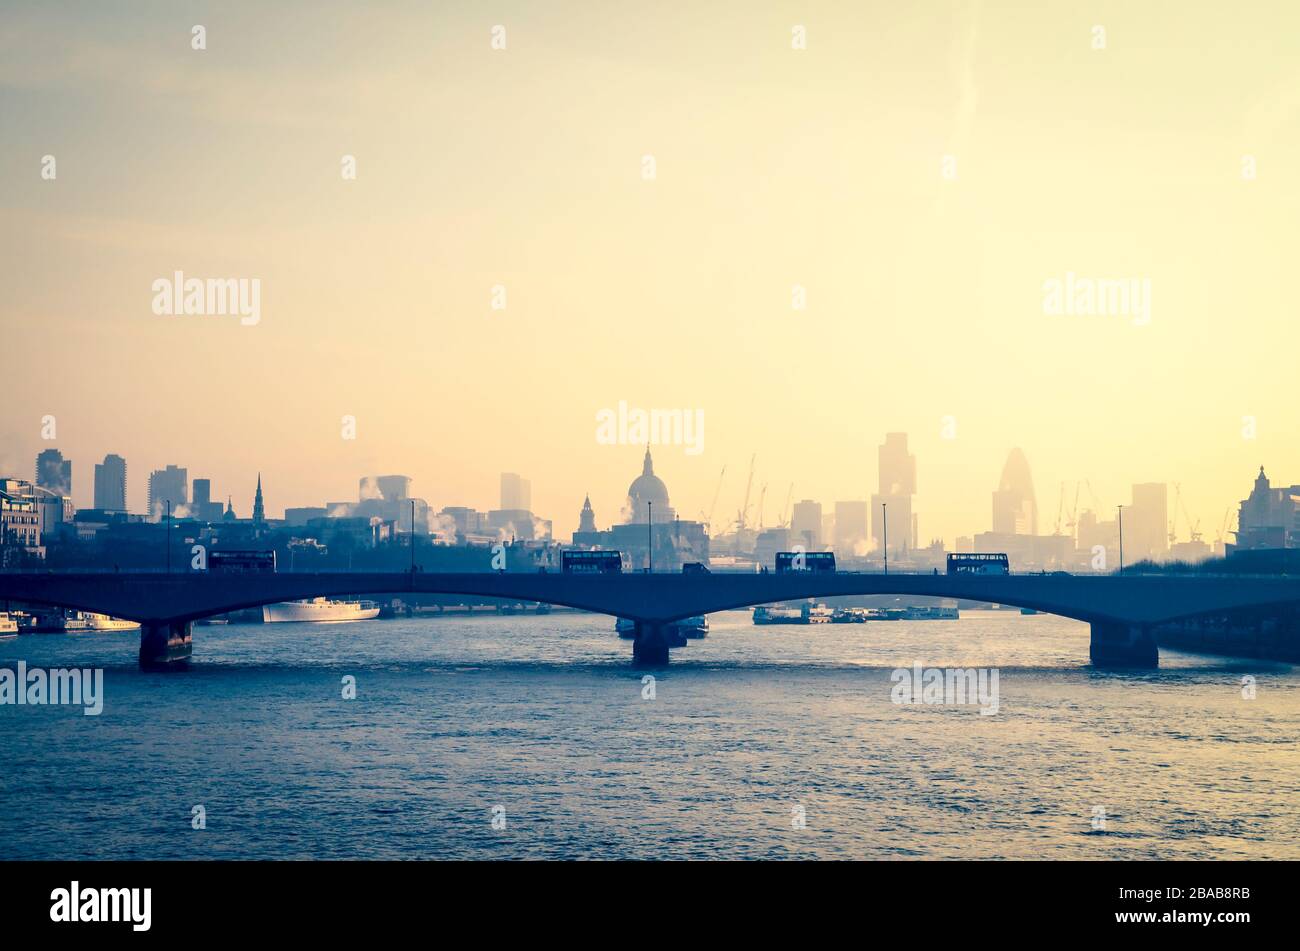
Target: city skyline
point(849, 432)
point(839, 291)
point(820, 525)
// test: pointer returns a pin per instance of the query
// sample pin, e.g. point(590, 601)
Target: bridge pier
point(165, 645)
point(1119, 644)
point(650, 646)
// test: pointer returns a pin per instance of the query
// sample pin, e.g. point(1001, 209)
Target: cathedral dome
point(645, 489)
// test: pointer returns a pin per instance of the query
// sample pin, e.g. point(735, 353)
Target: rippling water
point(543, 717)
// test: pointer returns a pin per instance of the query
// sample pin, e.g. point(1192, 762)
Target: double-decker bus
point(231, 562)
point(978, 563)
point(817, 561)
point(591, 562)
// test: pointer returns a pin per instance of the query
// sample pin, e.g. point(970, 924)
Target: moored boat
point(766, 615)
point(103, 622)
point(693, 628)
point(930, 614)
point(319, 610)
point(815, 614)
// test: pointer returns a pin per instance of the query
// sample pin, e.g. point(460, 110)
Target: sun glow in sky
point(820, 168)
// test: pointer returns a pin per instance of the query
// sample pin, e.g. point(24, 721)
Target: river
point(757, 742)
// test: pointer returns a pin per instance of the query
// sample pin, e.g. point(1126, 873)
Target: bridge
point(1121, 609)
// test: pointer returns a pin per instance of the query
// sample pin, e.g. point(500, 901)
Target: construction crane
point(762, 497)
point(785, 509)
point(1096, 506)
point(1173, 518)
point(1223, 528)
point(744, 509)
point(1193, 528)
point(1073, 520)
point(1060, 509)
point(708, 521)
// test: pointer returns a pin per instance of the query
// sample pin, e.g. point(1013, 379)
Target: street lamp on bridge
point(884, 522)
point(1120, 516)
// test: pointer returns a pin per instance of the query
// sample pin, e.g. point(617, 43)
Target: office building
point(168, 485)
point(53, 472)
point(110, 484)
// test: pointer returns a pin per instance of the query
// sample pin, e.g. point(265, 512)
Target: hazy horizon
point(523, 167)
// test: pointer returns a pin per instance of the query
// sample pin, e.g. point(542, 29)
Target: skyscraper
point(897, 485)
point(394, 488)
point(851, 528)
point(201, 505)
point(1015, 511)
point(168, 485)
point(110, 484)
point(516, 493)
point(897, 466)
point(806, 525)
point(1146, 522)
point(53, 472)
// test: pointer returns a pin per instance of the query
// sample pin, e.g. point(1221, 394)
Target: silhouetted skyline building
point(852, 525)
point(647, 496)
point(1015, 509)
point(201, 505)
point(1268, 517)
point(168, 485)
point(672, 541)
point(110, 484)
point(587, 517)
point(53, 472)
point(259, 509)
point(806, 524)
point(891, 506)
point(1146, 522)
point(516, 493)
point(390, 488)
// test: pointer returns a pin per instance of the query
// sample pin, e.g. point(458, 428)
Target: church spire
point(648, 468)
point(259, 512)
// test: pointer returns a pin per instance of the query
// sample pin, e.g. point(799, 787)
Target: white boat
point(102, 622)
point(75, 621)
point(815, 614)
point(8, 626)
point(690, 628)
point(319, 609)
point(693, 628)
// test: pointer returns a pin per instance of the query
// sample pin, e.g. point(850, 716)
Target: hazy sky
point(820, 167)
